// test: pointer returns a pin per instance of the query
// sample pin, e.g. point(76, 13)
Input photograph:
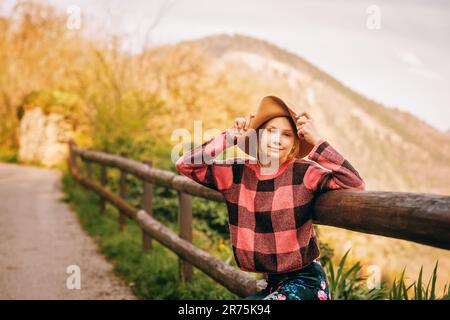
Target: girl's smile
point(277, 140)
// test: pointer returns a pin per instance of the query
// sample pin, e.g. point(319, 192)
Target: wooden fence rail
point(419, 217)
point(236, 281)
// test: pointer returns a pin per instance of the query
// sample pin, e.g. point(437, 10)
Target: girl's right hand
point(241, 125)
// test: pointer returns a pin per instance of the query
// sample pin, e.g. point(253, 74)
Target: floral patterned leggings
point(309, 283)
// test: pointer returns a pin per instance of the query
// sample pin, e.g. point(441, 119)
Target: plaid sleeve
point(199, 165)
point(340, 173)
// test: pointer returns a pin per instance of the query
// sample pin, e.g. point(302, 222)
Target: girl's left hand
point(306, 128)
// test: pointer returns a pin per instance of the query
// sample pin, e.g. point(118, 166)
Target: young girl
point(270, 206)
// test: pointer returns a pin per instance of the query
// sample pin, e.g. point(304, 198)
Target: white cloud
point(428, 74)
point(410, 58)
point(416, 66)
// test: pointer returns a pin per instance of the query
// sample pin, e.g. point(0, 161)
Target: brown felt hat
point(271, 107)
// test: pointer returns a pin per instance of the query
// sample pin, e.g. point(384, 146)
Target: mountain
point(393, 150)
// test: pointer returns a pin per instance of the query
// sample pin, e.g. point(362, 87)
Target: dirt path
point(40, 237)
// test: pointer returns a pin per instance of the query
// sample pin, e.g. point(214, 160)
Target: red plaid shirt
point(270, 216)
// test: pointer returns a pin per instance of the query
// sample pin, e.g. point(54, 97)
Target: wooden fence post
point(147, 206)
point(123, 195)
point(185, 226)
point(72, 163)
point(71, 154)
point(104, 182)
point(78, 163)
point(88, 167)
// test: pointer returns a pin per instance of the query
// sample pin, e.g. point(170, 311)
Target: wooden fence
point(418, 217)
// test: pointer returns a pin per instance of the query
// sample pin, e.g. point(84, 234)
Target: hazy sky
point(405, 63)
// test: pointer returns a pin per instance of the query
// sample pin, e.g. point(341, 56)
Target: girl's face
point(277, 140)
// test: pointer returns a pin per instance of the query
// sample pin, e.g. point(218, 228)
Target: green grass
point(152, 275)
point(417, 290)
point(347, 283)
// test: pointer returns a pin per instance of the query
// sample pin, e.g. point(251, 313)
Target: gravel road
point(40, 237)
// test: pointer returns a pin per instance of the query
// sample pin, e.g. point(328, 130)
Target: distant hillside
point(392, 149)
point(387, 145)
